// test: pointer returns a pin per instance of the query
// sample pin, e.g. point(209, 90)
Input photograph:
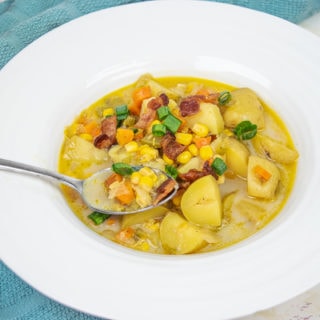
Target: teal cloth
point(23, 21)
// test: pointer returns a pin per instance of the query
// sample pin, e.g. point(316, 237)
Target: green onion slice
point(245, 130)
point(159, 130)
point(219, 166)
point(172, 123)
point(122, 112)
point(123, 169)
point(224, 98)
point(163, 112)
point(98, 217)
point(171, 171)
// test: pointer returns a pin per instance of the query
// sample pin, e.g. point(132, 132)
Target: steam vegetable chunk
point(263, 178)
point(201, 203)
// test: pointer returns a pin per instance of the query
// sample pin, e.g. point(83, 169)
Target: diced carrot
point(125, 234)
point(200, 142)
point(138, 96)
point(203, 92)
point(262, 173)
point(111, 221)
point(93, 128)
point(124, 136)
point(125, 193)
point(111, 179)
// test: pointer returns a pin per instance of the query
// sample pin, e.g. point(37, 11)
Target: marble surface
point(307, 305)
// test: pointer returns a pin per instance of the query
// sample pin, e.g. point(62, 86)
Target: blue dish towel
point(23, 21)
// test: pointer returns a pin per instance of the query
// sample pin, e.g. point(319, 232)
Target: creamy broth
point(240, 186)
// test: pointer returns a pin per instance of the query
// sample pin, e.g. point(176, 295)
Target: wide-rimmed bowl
point(53, 79)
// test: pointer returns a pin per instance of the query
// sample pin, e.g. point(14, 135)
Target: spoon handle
point(18, 167)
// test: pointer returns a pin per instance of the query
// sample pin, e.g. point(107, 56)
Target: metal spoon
point(87, 188)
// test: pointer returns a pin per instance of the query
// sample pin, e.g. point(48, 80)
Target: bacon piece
point(164, 98)
point(170, 147)
point(189, 106)
point(194, 174)
point(108, 133)
point(155, 103)
point(146, 118)
point(163, 190)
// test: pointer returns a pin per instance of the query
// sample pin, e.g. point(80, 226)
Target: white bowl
point(45, 86)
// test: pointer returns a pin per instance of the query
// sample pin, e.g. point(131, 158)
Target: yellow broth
point(170, 230)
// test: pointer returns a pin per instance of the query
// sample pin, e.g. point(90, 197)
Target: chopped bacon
point(146, 118)
point(155, 103)
point(164, 189)
point(194, 174)
point(171, 148)
point(108, 133)
point(164, 98)
point(191, 105)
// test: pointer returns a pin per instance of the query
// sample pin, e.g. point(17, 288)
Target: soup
point(231, 154)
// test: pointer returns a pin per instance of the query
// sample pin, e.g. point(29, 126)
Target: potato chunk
point(201, 202)
point(262, 185)
point(179, 236)
point(237, 156)
point(141, 217)
point(274, 150)
point(209, 115)
point(244, 105)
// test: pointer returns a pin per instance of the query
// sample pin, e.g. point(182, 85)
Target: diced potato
point(244, 105)
point(179, 236)
point(274, 150)
point(209, 115)
point(227, 204)
point(141, 217)
point(201, 202)
point(258, 187)
point(237, 155)
point(118, 153)
point(79, 149)
point(193, 163)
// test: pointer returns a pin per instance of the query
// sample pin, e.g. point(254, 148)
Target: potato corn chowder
point(232, 156)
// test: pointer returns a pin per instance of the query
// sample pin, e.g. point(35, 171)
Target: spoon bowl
point(92, 189)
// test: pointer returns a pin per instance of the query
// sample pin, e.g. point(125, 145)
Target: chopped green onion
point(171, 171)
point(224, 98)
point(122, 168)
point(98, 217)
point(245, 130)
point(159, 130)
point(122, 112)
point(135, 130)
point(172, 123)
point(163, 112)
point(219, 166)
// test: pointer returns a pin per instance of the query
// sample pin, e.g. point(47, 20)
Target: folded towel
point(23, 21)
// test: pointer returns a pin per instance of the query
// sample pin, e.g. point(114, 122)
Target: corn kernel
point(135, 177)
point(193, 149)
point(146, 150)
point(146, 182)
point(155, 122)
point(200, 130)
point(146, 171)
point(184, 157)
point(167, 160)
point(108, 112)
point(183, 138)
point(131, 146)
point(86, 136)
point(228, 132)
point(205, 152)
